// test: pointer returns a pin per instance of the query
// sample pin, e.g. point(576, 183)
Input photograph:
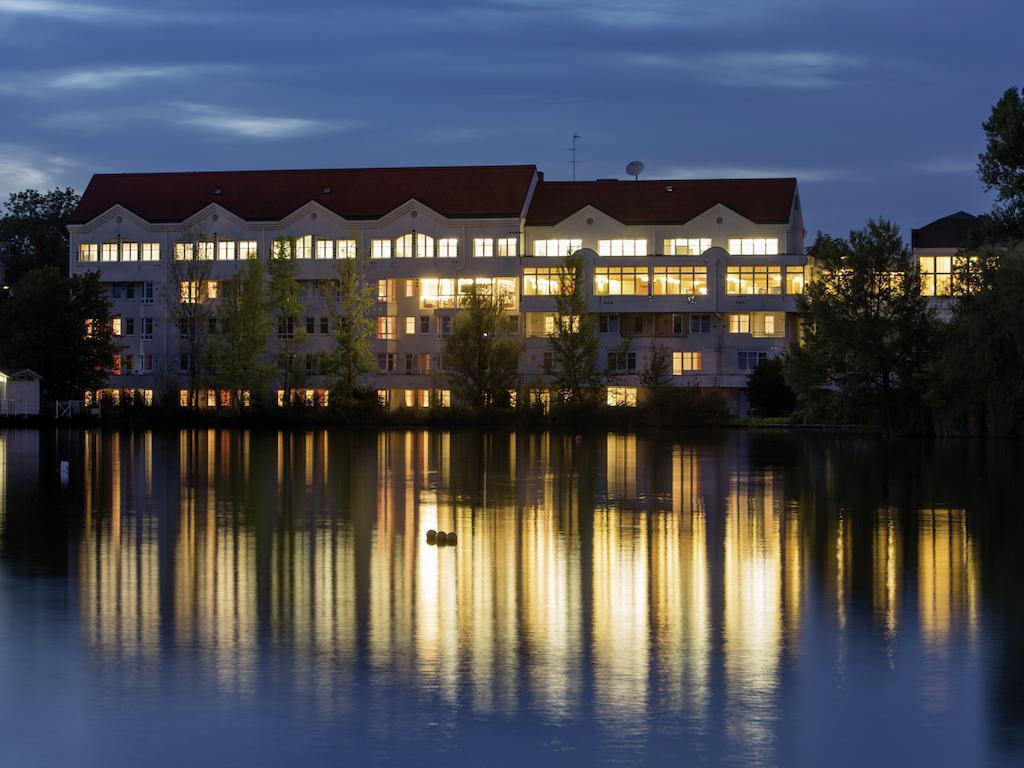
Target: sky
point(874, 105)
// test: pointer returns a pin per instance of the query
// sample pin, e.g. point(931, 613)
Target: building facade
point(709, 269)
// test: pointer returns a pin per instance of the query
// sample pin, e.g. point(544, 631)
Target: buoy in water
point(431, 536)
point(442, 538)
point(452, 539)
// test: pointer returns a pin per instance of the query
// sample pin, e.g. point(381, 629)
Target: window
point(687, 246)
point(556, 248)
point(607, 323)
point(747, 360)
point(483, 247)
point(424, 247)
point(226, 250)
point(310, 367)
point(151, 251)
point(754, 246)
point(622, 247)
point(324, 249)
point(304, 247)
point(325, 326)
point(768, 324)
point(621, 396)
point(387, 327)
point(739, 323)
point(129, 251)
point(116, 291)
point(147, 293)
point(424, 323)
point(410, 363)
point(622, 361)
point(286, 328)
point(88, 252)
point(678, 326)
point(444, 325)
point(385, 290)
point(795, 280)
point(513, 324)
point(146, 363)
point(403, 247)
point(147, 328)
point(680, 281)
point(621, 281)
point(490, 286)
point(638, 323)
point(346, 249)
point(437, 293)
point(749, 280)
point(310, 325)
point(410, 326)
point(936, 275)
point(129, 290)
point(281, 248)
point(410, 288)
point(508, 246)
point(544, 281)
point(115, 368)
point(129, 326)
point(380, 249)
point(448, 248)
point(387, 361)
point(247, 249)
point(192, 291)
point(183, 251)
point(443, 398)
point(685, 362)
point(108, 252)
point(204, 250)
point(700, 323)
point(115, 326)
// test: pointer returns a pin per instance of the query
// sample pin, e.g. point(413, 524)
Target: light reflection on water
point(626, 600)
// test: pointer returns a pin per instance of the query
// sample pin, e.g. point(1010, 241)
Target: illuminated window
point(380, 249)
point(325, 249)
point(88, 252)
point(204, 250)
point(448, 248)
point(621, 281)
point(936, 275)
point(443, 398)
point(403, 247)
point(129, 251)
point(544, 281)
point(622, 247)
point(747, 280)
point(383, 398)
point(226, 250)
point(739, 323)
point(556, 248)
point(410, 288)
point(687, 246)
point(386, 327)
point(768, 324)
point(754, 246)
point(346, 249)
point(281, 249)
point(385, 290)
point(108, 252)
point(621, 396)
point(183, 251)
point(795, 280)
point(410, 326)
point(115, 326)
point(680, 281)
point(304, 247)
point(247, 249)
point(508, 246)
point(483, 247)
point(193, 291)
point(424, 247)
point(437, 293)
point(685, 362)
point(151, 251)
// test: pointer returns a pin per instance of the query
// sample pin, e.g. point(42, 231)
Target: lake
point(226, 597)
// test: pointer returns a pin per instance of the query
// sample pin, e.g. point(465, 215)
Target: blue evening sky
point(875, 105)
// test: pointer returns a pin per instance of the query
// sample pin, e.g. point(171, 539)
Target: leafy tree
point(481, 359)
point(34, 226)
point(868, 335)
point(657, 375)
point(189, 294)
point(60, 328)
point(767, 389)
point(237, 352)
point(350, 303)
point(575, 345)
point(980, 375)
point(1001, 165)
point(284, 299)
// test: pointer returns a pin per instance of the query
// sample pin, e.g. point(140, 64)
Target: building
point(936, 248)
point(708, 268)
point(19, 392)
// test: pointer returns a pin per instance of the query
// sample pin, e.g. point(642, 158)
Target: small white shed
point(19, 392)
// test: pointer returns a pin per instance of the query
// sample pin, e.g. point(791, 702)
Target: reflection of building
point(947, 576)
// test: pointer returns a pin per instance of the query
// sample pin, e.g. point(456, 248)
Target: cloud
point(96, 13)
point(222, 120)
point(635, 13)
point(946, 165)
point(766, 69)
point(809, 175)
point(23, 167)
point(103, 78)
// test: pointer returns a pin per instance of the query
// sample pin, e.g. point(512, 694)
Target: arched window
point(403, 247)
point(424, 247)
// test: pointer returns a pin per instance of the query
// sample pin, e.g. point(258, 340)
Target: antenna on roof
point(634, 169)
point(575, 137)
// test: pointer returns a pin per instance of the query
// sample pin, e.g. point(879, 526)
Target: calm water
point(236, 598)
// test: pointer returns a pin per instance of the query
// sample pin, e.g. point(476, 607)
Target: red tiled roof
point(357, 193)
point(649, 202)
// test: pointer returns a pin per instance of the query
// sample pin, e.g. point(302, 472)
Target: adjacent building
point(710, 269)
point(936, 248)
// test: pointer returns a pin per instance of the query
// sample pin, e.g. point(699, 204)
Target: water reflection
point(629, 580)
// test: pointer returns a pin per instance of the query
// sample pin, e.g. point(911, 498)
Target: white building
point(19, 392)
point(709, 268)
point(936, 248)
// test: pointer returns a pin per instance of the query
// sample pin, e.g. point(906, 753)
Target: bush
point(767, 390)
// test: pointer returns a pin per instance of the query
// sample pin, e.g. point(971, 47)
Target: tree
point(1001, 165)
point(34, 226)
point(60, 328)
point(979, 379)
point(657, 376)
point(574, 342)
point(284, 299)
point(237, 352)
point(481, 358)
point(767, 389)
point(189, 294)
point(868, 335)
point(350, 303)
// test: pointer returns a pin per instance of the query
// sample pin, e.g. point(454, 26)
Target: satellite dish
point(635, 168)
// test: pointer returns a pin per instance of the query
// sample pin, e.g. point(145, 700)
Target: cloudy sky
point(875, 105)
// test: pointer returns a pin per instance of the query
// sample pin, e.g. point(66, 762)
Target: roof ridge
point(122, 174)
